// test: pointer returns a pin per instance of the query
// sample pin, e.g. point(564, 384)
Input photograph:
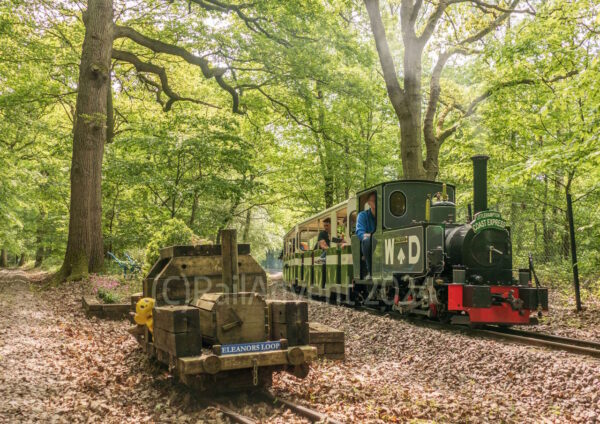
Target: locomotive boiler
point(423, 261)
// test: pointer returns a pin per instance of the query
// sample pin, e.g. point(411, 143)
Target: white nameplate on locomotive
point(408, 244)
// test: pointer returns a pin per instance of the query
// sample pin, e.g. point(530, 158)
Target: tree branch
point(415, 11)
point(502, 9)
point(434, 94)
point(253, 24)
point(145, 67)
point(159, 47)
point(433, 21)
point(492, 26)
point(395, 92)
point(472, 107)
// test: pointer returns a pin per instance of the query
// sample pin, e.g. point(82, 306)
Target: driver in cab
point(365, 227)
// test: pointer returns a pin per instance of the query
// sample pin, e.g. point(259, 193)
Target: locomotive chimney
point(480, 182)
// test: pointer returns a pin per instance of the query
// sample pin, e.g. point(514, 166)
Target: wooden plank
point(200, 250)
point(283, 311)
point(157, 268)
point(296, 334)
point(320, 333)
point(227, 318)
point(184, 289)
point(289, 320)
point(177, 319)
point(228, 381)
point(178, 344)
point(162, 356)
point(196, 364)
point(116, 310)
point(229, 255)
point(335, 356)
point(135, 298)
point(334, 348)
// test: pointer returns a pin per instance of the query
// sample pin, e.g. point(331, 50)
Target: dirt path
point(58, 366)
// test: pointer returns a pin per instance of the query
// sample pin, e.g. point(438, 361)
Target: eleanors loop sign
point(231, 349)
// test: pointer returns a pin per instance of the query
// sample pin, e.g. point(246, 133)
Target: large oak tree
point(94, 123)
point(419, 20)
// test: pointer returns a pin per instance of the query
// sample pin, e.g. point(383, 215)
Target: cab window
point(397, 203)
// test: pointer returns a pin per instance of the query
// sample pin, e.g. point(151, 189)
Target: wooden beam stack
point(177, 330)
point(289, 320)
point(328, 341)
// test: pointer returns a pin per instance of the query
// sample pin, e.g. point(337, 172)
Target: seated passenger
point(323, 241)
point(365, 227)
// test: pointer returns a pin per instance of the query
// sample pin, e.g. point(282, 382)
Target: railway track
point(525, 337)
point(272, 400)
point(532, 338)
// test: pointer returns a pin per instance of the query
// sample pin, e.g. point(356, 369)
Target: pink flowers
point(103, 282)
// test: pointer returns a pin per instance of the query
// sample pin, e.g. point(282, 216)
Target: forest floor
point(395, 370)
point(58, 366)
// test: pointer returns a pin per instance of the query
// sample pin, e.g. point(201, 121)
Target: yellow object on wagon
point(143, 312)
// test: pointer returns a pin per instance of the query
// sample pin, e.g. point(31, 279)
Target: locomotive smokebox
point(480, 182)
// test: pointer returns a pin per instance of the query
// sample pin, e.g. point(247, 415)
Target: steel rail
point(546, 336)
point(274, 401)
point(578, 346)
point(310, 414)
point(525, 337)
point(234, 416)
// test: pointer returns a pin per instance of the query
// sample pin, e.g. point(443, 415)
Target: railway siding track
point(274, 401)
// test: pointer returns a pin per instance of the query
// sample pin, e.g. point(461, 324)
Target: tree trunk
point(405, 100)
point(195, 198)
point(246, 233)
point(329, 189)
point(22, 259)
point(3, 259)
point(410, 122)
point(546, 231)
point(85, 246)
point(39, 239)
point(39, 256)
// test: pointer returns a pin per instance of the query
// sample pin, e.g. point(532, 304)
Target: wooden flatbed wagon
point(213, 334)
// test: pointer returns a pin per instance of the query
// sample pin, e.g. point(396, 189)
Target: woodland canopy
point(119, 118)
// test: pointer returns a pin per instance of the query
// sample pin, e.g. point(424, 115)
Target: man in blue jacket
point(365, 227)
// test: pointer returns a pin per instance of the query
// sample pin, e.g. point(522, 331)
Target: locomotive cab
point(402, 203)
point(411, 216)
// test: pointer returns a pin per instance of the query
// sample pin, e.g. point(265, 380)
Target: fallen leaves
point(58, 366)
point(398, 372)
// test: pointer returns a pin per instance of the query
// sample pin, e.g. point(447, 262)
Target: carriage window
point(353, 222)
point(397, 203)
